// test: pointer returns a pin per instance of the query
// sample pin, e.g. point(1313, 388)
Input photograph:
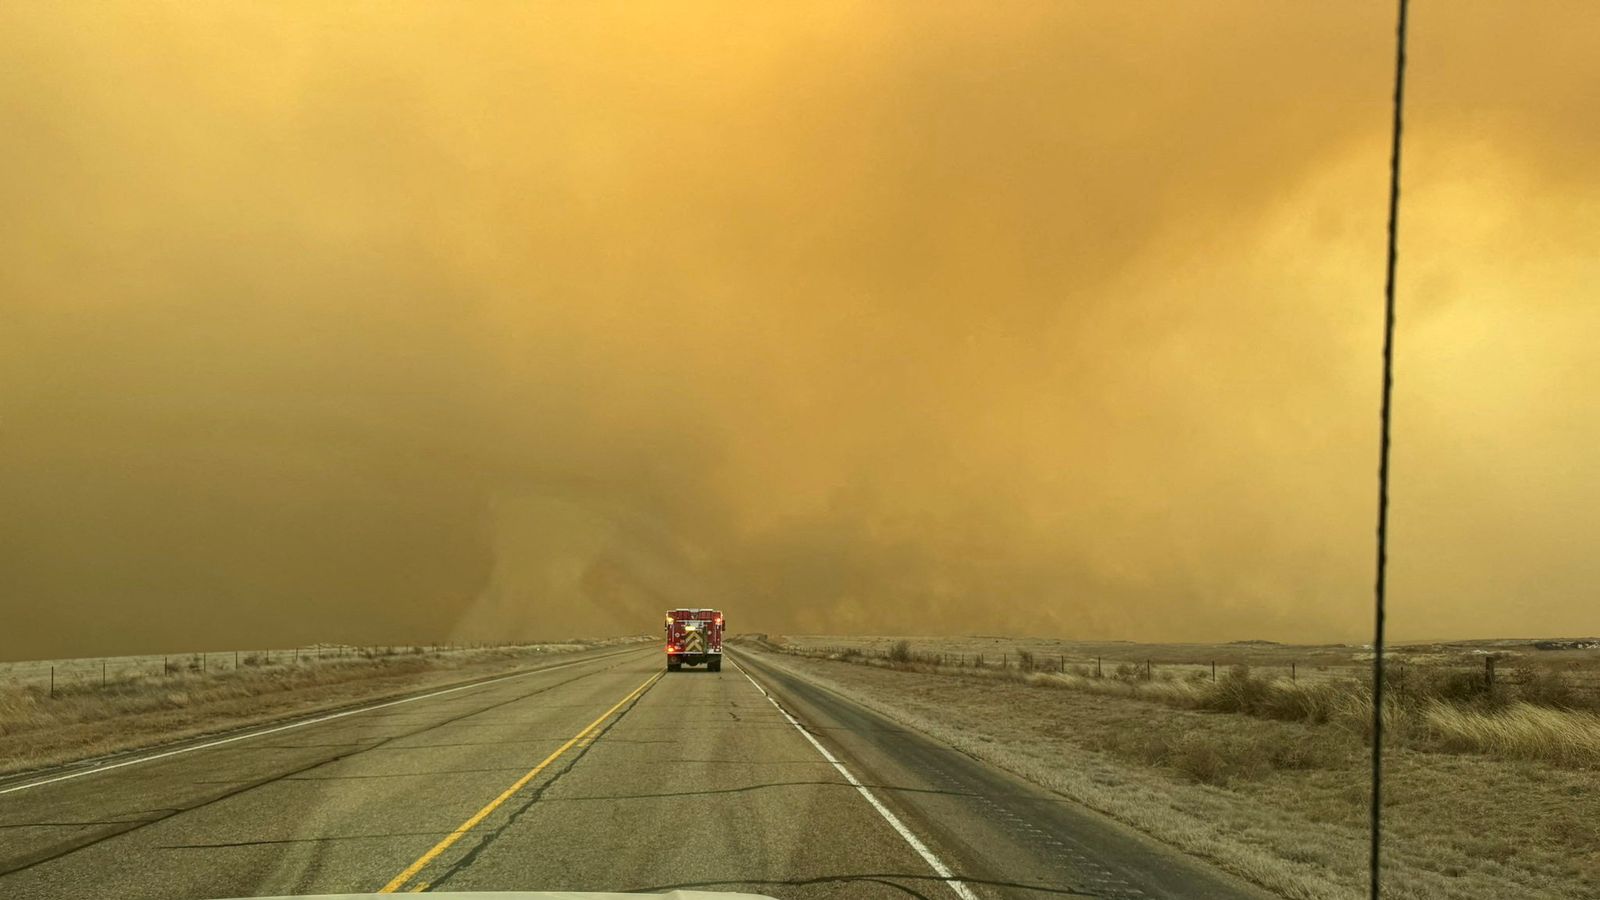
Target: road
point(602, 773)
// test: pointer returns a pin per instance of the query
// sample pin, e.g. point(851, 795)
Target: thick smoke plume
point(412, 321)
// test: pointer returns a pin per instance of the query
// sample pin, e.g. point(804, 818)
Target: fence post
point(205, 664)
point(1294, 679)
point(1005, 660)
point(102, 673)
point(1097, 667)
point(52, 682)
point(165, 669)
point(1063, 664)
point(1147, 670)
point(1213, 670)
point(236, 660)
point(1488, 672)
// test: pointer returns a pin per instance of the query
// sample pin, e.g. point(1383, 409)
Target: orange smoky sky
point(410, 321)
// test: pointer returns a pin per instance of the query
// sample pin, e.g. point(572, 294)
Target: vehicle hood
point(535, 895)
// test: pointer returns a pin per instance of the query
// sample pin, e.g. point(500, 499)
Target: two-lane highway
point(596, 774)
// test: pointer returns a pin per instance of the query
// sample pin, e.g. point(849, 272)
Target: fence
point(1494, 672)
point(53, 676)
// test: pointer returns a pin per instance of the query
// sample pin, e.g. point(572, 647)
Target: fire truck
point(694, 636)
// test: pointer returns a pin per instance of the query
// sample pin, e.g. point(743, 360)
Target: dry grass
point(1529, 713)
point(1279, 800)
point(1522, 731)
point(85, 720)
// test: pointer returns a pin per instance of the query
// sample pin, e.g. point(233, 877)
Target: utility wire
point(1383, 455)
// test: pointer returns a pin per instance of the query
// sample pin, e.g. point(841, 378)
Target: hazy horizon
point(404, 322)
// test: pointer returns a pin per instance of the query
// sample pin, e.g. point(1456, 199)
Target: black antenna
point(1383, 455)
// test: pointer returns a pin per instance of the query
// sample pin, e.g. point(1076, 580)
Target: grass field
point(1306, 661)
point(99, 706)
point(1266, 776)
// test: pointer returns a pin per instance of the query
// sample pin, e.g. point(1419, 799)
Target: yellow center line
point(480, 815)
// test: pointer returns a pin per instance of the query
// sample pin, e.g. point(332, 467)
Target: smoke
point(409, 322)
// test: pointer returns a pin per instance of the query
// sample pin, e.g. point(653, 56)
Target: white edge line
point(300, 724)
point(928, 856)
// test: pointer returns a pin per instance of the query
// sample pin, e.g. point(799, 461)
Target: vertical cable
point(1383, 456)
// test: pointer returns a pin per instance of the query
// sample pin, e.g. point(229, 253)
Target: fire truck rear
point(694, 636)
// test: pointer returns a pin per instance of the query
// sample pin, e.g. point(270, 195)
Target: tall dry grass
point(1521, 731)
point(1530, 714)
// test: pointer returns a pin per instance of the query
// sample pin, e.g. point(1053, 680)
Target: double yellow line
point(508, 793)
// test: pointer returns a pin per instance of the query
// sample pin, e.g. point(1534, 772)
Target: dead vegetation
point(1487, 797)
point(83, 719)
point(1525, 713)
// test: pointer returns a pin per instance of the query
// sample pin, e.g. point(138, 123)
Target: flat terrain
point(1279, 800)
point(100, 706)
point(89, 673)
point(584, 774)
point(1579, 659)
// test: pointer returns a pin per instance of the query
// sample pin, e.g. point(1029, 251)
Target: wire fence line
point(52, 677)
point(1493, 672)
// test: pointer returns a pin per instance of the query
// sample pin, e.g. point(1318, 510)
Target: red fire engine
point(694, 636)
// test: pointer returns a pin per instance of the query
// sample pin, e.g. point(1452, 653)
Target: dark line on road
point(29, 860)
point(533, 796)
point(221, 845)
point(405, 774)
point(761, 787)
point(876, 878)
point(13, 781)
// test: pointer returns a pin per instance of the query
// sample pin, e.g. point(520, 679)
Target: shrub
point(1455, 685)
point(1203, 760)
point(1314, 702)
point(1237, 691)
point(1216, 758)
point(1546, 688)
point(1523, 731)
point(900, 652)
point(1299, 753)
point(1025, 660)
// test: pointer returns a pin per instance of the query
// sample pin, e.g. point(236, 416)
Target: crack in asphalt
point(405, 774)
point(308, 840)
point(875, 878)
point(762, 787)
point(64, 848)
point(488, 838)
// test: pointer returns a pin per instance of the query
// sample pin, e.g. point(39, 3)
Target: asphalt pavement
point(600, 773)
